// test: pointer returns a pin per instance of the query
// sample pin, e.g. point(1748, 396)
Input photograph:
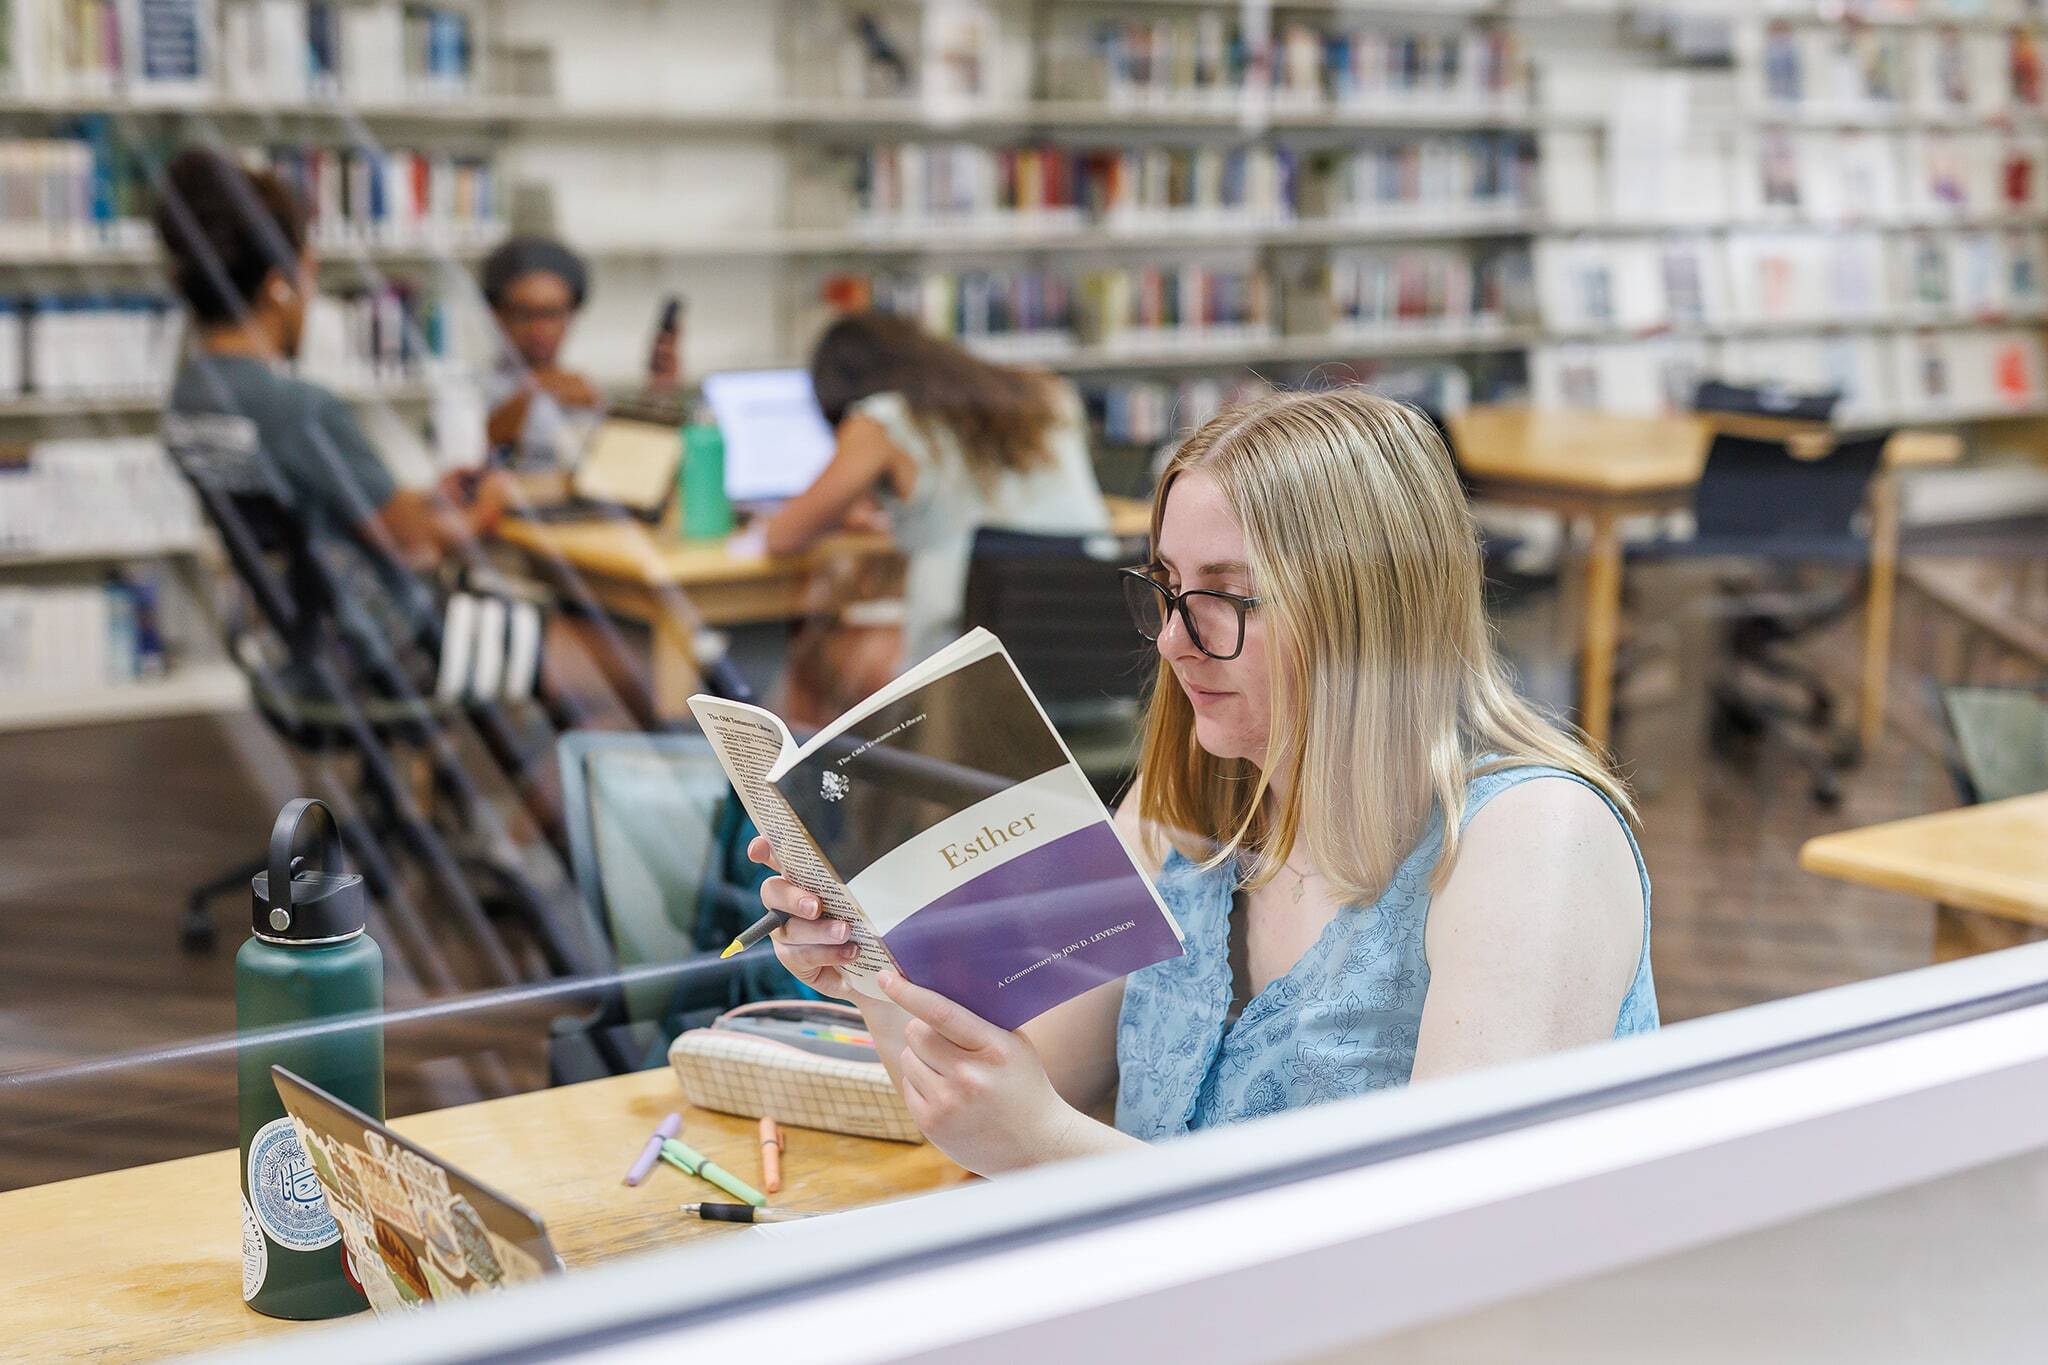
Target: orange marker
point(771, 1155)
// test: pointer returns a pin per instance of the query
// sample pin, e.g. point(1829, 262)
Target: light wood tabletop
point(141, 1263)
point(1621, 454)
point(636, 552)
point(1597, 468)
point(649, 574)
point(1991, 858)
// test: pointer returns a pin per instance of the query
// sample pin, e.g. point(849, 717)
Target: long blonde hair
point(1387, 692)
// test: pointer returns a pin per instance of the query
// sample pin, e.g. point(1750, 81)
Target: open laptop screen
point(776, 440)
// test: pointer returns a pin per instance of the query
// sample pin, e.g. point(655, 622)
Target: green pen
point(687, 1158)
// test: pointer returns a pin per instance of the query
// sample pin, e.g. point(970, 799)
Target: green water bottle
point(309, 996)
point(707, 512)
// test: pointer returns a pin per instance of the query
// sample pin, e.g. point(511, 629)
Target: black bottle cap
point(316, 906)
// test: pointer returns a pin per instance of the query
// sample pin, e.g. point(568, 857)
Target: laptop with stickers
point(415, 1228)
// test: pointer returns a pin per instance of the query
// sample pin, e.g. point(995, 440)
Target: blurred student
point(946, 443)
point(535, 287)
point(240, 260)
point(1387, 864)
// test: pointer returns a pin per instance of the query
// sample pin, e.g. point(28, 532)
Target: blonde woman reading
point(1387, 866)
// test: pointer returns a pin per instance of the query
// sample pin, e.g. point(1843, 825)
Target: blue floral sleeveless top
point(1343, 1020)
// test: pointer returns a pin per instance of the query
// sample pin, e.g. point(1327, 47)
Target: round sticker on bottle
point(255, 1254)
point(286, 1193)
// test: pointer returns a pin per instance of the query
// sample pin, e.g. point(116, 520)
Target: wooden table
point(137, 1264)
point(673, 586)
point(1599, 468)
point(1984, 867)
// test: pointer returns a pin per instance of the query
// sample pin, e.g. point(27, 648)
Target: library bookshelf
point(568, 101)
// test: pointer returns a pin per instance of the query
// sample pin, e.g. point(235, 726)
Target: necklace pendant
point(1300, 889)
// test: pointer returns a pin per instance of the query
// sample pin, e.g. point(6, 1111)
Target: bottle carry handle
point(283, 836)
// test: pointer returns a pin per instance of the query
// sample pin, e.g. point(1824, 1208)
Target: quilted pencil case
point(806, 1062)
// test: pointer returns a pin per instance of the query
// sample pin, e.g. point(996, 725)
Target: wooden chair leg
point(1965, 933)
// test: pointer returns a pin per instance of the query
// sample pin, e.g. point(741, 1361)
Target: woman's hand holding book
point(809, 945)
point(979, 1092)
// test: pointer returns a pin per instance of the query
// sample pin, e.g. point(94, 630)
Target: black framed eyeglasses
point(1215, 620)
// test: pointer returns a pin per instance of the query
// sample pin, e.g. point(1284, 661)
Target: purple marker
point(651, 1153)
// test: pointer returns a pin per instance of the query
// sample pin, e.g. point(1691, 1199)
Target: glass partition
point(1043, 614)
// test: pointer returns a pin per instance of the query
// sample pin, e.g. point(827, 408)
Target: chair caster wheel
point(196, 934)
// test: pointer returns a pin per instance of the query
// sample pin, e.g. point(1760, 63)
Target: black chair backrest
point(1057, 605)
point(265, 540)
point(1766, 400)
point(1758, 491)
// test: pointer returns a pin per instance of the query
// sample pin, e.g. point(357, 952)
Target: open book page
point(973, 645)
point(961, 824)
point(749, 742)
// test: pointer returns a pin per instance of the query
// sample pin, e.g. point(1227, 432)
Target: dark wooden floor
point(103, 829)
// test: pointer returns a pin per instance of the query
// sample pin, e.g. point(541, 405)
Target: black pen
point(746, 1213)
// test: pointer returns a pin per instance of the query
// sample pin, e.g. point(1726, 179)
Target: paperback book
point(945, 823)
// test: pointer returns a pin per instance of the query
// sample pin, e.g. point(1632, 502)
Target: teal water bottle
point(707, 512)
point(309, 996)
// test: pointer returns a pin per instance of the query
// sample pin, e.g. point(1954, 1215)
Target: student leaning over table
point(1327, 692)
point(946, 443)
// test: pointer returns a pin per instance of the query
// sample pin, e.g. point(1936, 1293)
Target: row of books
point(1184, 59)
point(390, 196)
point(271, 49)
point(1905, 11)
point(80, 638)
point(291, 49)
point(1178, 58)
point(958, 49)
point(91, 189)
point(1781, 174)
point(973, 305)
point(87, 345)
point(1880, 177)
point(1429, 287)
point(94, 493)
point(908, 185)
point(1478, 66)
point(1142, 305)
point(76, 191)
point(1855, 69)
point(1036, 313)
point(1779, 278)
point(368, 337)
point(1883, 377)
point(1430, 176)
point(90, 47)
point(1146, 412)
point(911, 183)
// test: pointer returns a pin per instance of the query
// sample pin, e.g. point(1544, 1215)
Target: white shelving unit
point(678, 139)
point(34, 407)
point(189, 689)
point(95, 554)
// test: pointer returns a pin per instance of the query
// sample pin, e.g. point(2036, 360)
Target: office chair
point(320, 692)
point(658, 848)
point(1057, 605)
point(1998, 740)
point(1757, 500)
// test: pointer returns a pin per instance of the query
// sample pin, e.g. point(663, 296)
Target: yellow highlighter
point(755, 932)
